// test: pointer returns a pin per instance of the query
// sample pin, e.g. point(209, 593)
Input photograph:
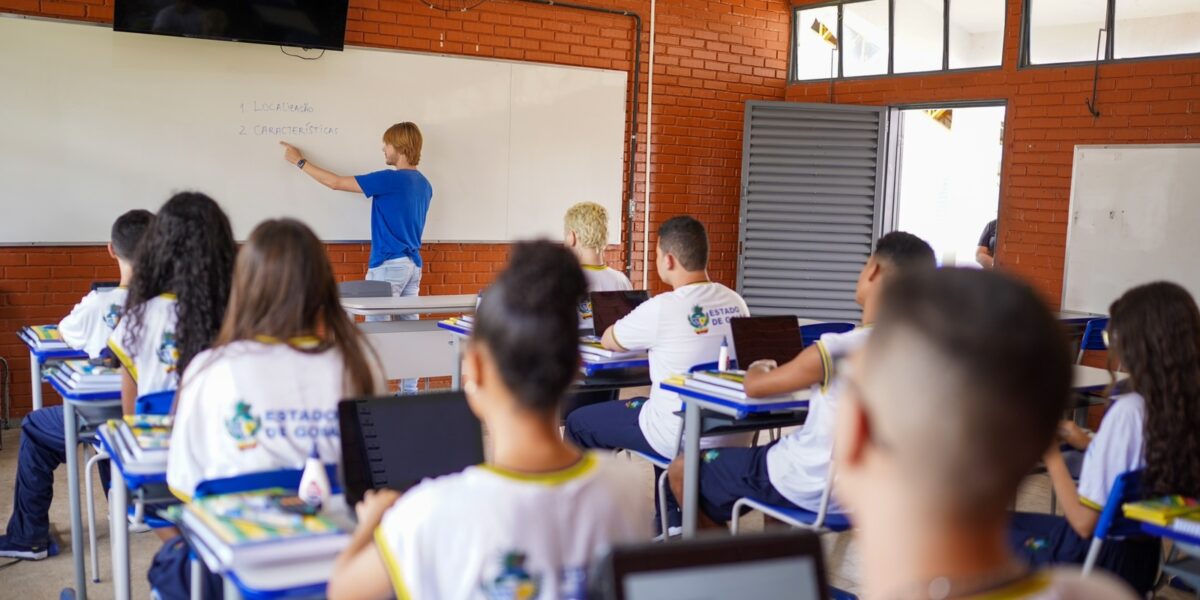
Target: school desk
point(411, 349)
point(739, 416)
point(73, 401)
point(38, 359)
point(306, 578)
point(126, 478)
point(1186, 568)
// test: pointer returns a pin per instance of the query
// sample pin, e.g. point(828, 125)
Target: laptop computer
point(774, 566)
point(757, 338)
point(395, 442)
point(610, 307)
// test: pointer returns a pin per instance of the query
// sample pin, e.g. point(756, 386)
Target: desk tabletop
point(409, 304)
point(95, 397)
point(127, 467)
point(1086, 379)
point(60, 353)
point(1074, 316)
point(738, 408)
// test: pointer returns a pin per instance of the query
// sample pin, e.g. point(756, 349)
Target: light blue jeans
point(405, 277)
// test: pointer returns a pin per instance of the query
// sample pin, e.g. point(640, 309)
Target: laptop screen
point(610, 307)
point(395, 442)
point(757, 338)
point(791, 578)
point(764, 567)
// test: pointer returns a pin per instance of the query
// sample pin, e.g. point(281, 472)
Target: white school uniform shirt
point(490, 533)
point(152, 362)
point(600, 279)
point(680, 329)
point(1117, 448)
point(254, 406)
point(798, 465)
point(91, 322)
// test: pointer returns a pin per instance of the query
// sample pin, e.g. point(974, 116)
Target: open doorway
point(948, 177)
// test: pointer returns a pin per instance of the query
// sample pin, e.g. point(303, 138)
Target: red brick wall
point(711, 57)
point(1145, 102)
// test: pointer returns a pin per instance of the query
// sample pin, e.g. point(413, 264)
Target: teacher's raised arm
point(400, 198)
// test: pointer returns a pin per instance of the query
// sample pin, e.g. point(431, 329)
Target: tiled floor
point(45, 579)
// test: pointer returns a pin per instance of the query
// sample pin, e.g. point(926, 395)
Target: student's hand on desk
point(291, 153)
point(374, 504)
point(762, 366)
point(1074, 435)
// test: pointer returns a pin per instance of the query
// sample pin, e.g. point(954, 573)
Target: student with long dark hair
point(173, 308)
point(266, 393)
point(178, 295)
point(536, 515)
point(1154, 333)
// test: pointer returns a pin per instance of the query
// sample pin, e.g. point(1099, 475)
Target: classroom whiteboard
point(97, 122)
point(1133, 219)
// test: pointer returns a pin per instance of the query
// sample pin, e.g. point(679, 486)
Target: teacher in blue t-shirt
point(399, 204)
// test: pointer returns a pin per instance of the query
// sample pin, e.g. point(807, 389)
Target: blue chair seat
point(798, 517)
point(657, 460)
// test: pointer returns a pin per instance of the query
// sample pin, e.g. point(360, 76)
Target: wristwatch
point(300, 163)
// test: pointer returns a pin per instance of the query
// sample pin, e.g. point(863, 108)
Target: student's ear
point(472, 372)
point(670, 261)
point(874, 270)
point(111, 252)
point(570, 239)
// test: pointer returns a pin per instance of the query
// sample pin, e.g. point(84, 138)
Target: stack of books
point(143, 441)
point(729, 385)
point(43, 337)
point(247, 529)
point(593, 352)
point(1165, 511)
point(84, 377)
point(466, 322)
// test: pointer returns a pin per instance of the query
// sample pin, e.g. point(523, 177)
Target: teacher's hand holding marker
point(400, 198)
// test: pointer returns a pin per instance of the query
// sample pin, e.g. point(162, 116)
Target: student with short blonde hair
point(586, 234)
point(400, 199)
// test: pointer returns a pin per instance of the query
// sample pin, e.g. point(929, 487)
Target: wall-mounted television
point(301, 23)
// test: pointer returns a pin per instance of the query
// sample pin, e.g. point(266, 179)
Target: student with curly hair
point(175, 304)
point(1155, 333)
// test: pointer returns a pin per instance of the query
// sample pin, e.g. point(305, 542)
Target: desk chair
point(821, 521)
point(157, 403)
point(809, 334)
point(1112, 524)
point(1093, 338)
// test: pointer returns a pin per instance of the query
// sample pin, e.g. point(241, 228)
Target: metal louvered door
point(812, 194)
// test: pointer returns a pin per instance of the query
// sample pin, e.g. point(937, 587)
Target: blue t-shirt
point(399, 202)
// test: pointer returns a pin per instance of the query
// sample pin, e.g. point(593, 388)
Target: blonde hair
point(589, 222)
point(406, 138)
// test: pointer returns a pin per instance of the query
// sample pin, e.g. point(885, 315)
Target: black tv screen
point(301, 23)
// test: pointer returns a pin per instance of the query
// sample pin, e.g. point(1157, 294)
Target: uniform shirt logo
point(113, 315)
point(698, 320)
point(585, 309)
point(168, 352)
point(513, 582)
point(244, 426)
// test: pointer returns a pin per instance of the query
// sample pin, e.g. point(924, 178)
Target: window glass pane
point(816, 43)
point(865, 27)
point(918, 36)
point(976, 33)
point(1065, 30)
point(1156, 28)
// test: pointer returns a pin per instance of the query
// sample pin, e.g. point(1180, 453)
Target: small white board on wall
point(1134, 218)
point(98, 122)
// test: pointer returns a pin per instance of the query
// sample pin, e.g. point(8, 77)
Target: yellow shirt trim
point(123, 357)
point(393, 567)
point(178, 493)
point(613, 329)
point(1092, 505)
point(826, 367)
point(1028, 586)
point(300, 341)
point(585, 465)
point(595, 267)
point(168, 296)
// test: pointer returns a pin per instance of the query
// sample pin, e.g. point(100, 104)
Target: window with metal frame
point(1080, 31)
point(864, 38)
